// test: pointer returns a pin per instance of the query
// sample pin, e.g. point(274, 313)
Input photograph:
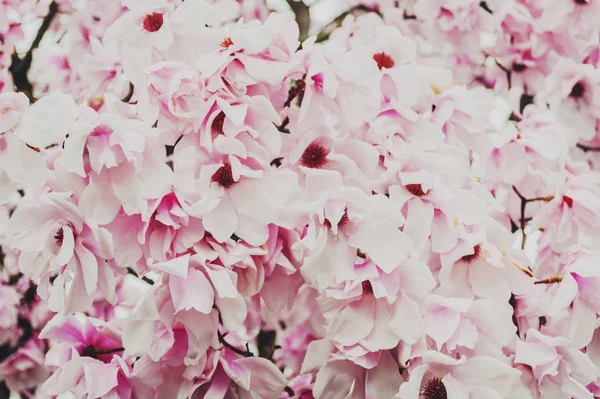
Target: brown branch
point(585, 148)
point(134, 273)
point(244, 353)
point(129, 94)
point(232, 348)
point(283, 127)
point(19, 68)
point(296, 90)
point(337, 21)
point(524, 202)
point(302, 13)
point(484, 5)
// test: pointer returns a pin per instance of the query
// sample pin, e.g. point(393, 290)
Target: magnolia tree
point(214, 199)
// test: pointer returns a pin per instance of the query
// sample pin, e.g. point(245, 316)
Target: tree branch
point(337, 22)
point(20, 68)
point(232, 348)
point(244, 353)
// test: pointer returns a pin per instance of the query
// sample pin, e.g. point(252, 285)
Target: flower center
point(59, 237)
point(383, 61)
point(314, 156)
point(434, 389)
point(153, 22)
point(415, 189)
point(474, 256)
point(226, 42)
point(519, 67)
point(568, 201)
point(578, 90)
point(224, 176)
point(343, 221)
point(217, 125)
point(367, 287)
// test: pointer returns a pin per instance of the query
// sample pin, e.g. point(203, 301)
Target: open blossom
point(54, 239)
point(86, 355)
point(443, 376)
point(559, 369)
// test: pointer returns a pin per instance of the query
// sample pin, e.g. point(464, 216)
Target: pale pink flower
point(558, 368)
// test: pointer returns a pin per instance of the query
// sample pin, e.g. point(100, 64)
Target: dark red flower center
point(367, 287)
point(581, 2)
point(224, 176)
point(415, 189)
point(578, 90)
point(153, 22)
point(217, 125)
point(314, 156)
point(434, 389)
point(568, 201)
point(343, 221)
point(474, 256)
point(59, 237)
point(519, 67)
point(226, 42)
point(383, 61)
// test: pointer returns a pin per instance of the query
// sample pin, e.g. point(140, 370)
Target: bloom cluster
point(211, 199)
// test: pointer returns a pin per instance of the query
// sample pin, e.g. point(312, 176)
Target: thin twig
point(484, 5)
point(232, 348)
point(134, 273)
point(585, 148)
point(244, 353)
point(524, 202)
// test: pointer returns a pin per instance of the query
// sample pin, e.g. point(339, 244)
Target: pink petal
point(221, 222)
point(48, 120)
point(192, 292)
